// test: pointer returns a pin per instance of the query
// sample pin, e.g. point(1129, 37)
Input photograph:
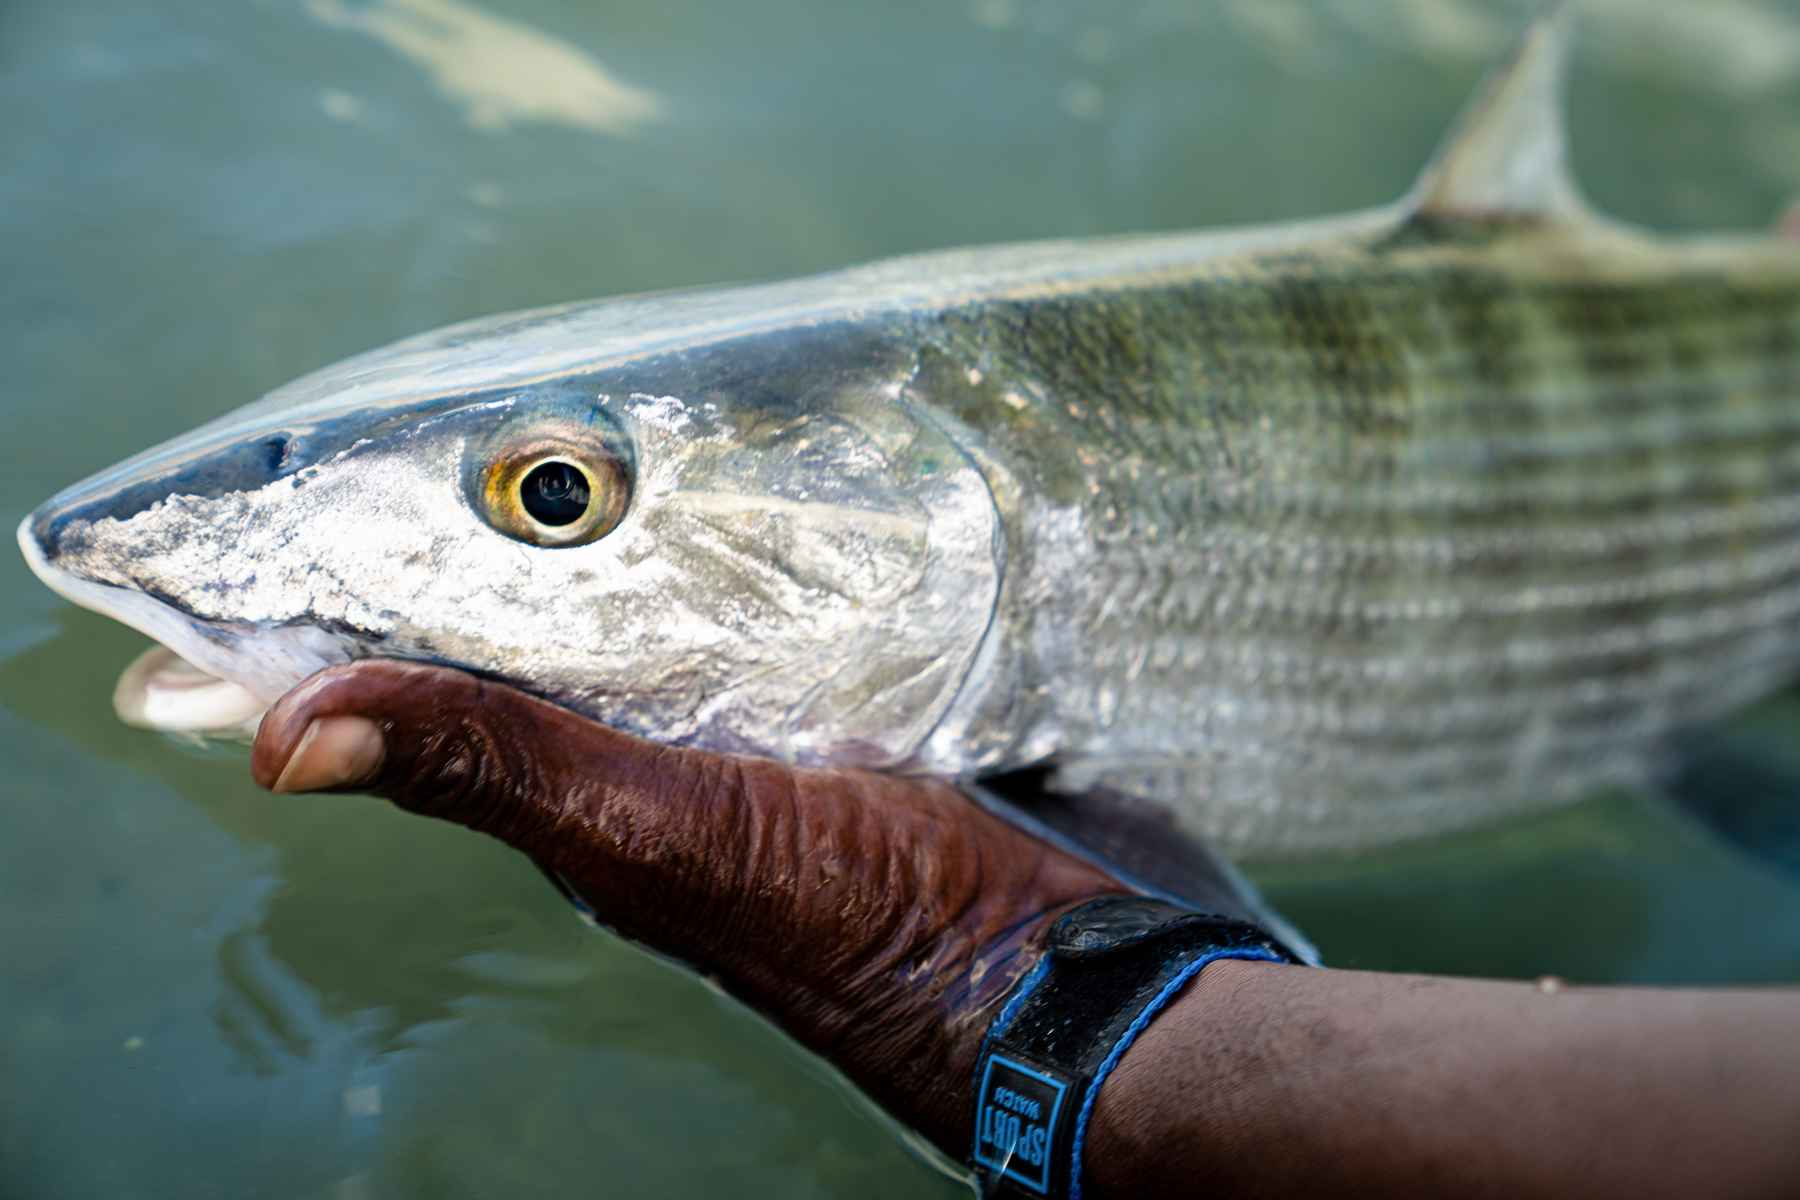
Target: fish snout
point(37, 541)
point(144, 533)
point(47, 535)
point(189, 469)
point(151, 544)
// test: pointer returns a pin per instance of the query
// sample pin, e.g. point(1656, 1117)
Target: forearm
point(1266, 1080)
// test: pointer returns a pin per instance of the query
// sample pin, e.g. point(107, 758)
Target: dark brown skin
point(881, 921)
point(1288, 1081)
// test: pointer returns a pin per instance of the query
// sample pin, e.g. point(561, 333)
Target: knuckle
point(466, 770)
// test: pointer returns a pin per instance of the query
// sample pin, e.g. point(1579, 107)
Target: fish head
point(760, 543)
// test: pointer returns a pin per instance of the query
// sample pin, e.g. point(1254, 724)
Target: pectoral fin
point(1139, 841)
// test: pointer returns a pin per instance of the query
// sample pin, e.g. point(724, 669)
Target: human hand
point(880, 920)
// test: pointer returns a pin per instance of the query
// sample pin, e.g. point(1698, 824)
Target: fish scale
point(1560, 515)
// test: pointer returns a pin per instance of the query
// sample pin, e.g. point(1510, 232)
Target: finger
point(444, 743)
point(330, 732)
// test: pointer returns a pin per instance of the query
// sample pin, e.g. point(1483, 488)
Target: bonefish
point(1295, 539)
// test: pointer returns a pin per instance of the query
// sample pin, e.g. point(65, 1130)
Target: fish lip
point(84, 593)
point(162, 691)
point(228, 654)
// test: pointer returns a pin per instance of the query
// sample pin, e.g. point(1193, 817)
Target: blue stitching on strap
point(1010, 1010)
point(1029, 985)
point(1130, 1035)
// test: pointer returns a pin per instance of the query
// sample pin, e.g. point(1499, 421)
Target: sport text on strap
point(1113, 964)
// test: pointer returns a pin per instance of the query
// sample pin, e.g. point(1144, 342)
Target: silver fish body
point(1318, 537)
point(1388, 538)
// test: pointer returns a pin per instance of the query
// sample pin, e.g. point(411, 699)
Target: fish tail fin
point(1508, 153)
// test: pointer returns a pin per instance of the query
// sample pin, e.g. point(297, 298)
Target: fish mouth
point(163, 691)
point(202, 679)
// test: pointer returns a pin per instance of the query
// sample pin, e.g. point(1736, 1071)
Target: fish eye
point(556, 495)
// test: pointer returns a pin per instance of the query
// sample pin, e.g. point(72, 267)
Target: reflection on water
point(211, 992)
point(500, 71)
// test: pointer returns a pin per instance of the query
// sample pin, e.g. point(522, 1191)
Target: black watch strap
point(1113, 964)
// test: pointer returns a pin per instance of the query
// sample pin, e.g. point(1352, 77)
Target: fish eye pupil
point(554, 493)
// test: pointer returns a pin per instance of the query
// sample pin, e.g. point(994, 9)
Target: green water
point(207, 992)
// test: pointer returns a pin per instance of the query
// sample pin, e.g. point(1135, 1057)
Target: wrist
point(1217, 1021)
point(948, 908)
point(934, 1022)
point(1114, 967)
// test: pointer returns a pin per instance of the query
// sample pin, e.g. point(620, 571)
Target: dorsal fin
point(1507, 155)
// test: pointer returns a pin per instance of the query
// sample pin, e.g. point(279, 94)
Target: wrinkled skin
point(878, 920)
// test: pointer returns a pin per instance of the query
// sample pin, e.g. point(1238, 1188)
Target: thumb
point(446, 744)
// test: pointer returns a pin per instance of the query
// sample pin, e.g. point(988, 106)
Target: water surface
point(208, 992)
